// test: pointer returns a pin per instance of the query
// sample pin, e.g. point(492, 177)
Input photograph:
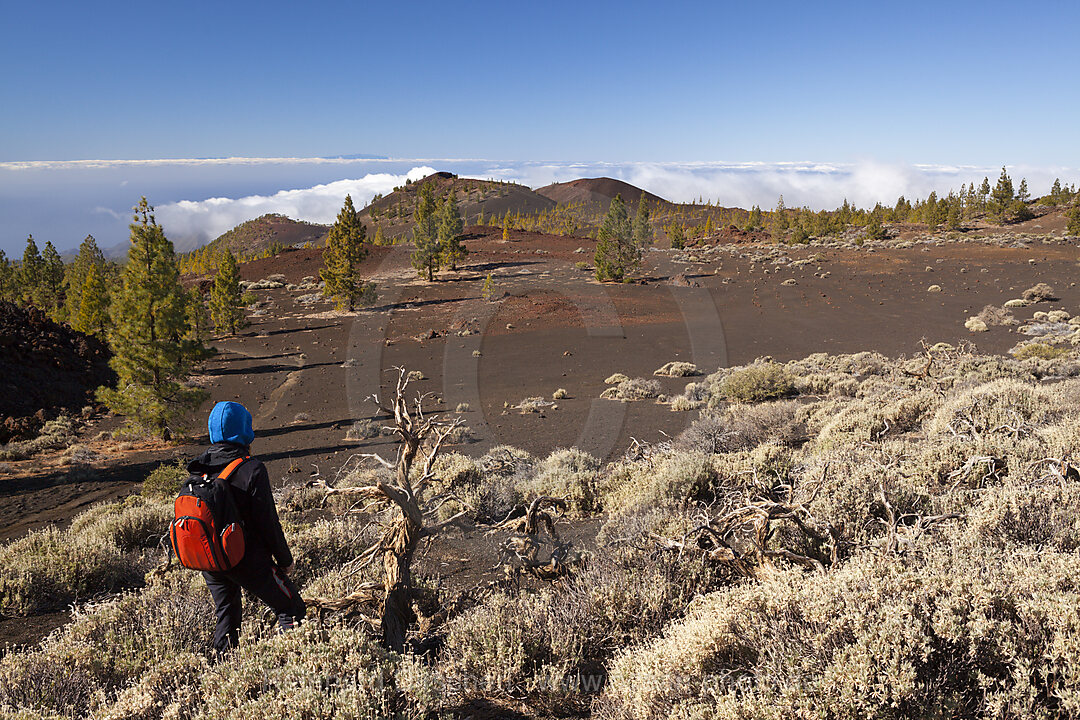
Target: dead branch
point(421, 436)
point(523, 548)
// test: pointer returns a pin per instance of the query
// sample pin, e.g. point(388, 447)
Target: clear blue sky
point(919, 82)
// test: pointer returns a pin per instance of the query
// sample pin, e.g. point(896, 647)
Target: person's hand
point(290, 569)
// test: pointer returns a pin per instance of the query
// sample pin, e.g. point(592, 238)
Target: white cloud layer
point(817, 185)
point(191, 223)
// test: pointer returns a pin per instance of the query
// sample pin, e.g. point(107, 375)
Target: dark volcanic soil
point(306, 370)
point(45, 369)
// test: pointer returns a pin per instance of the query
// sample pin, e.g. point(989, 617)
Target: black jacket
point(254, 500)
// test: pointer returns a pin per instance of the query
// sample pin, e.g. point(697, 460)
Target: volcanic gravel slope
point(45, 369)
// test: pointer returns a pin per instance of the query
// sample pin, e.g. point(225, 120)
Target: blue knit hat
point(230, 422)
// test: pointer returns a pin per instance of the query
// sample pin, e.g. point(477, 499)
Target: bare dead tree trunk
point(420, 435)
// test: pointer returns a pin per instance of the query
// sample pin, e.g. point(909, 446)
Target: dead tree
point(743, 537)
point(525, 544)
point(421, 437)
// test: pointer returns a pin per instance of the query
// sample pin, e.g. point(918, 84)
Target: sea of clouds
point(197, 200)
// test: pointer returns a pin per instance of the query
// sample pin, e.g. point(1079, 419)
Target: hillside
point(255, 236)
point(476, 199)
point(46, 368)
point(596, 191)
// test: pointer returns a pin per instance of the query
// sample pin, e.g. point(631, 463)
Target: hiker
point(265, 563)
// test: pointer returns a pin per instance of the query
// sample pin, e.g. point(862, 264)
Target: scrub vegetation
point(834, 537)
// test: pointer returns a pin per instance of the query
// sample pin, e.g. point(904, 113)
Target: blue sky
point(920, 82)
point(959, 84)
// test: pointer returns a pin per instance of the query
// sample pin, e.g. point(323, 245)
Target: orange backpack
point(207, 533)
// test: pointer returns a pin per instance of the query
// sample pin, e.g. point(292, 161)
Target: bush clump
point(56, 434)
point(1040, 351)
point(1039, 293)
point(875, 638)
point(629, 390)
point(165, 480)
point(106, 549)
point(755, 383)
point(570, 474)
point(677, 369)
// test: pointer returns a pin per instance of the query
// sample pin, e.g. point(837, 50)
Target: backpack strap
point(224, 474)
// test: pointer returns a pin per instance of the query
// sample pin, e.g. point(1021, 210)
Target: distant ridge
point(261, 233)
point(596, 191)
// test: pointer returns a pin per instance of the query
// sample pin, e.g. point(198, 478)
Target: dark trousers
point(264, 580)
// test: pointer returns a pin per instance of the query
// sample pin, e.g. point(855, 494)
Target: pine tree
point(449, 231)
point(1073, 217)
point(90, 255)
point(753, 222)
point(198, 319)
point(617, 255)
point(983, 195)
point(506, 226)
point(932, 211)
point(488, 291)
point(1022, 194)
point(31, 273)
point(1055, 192)
point(426, 256)
point(52, 282)
point(226, 305)
point(677, 234)
point(8, 279)
point(379, 239)
point(643, 231)
point(1001, 198)
point(342, 255)
point(151, 356)
point(778, 220)
point(954, 213)
point(92, 316)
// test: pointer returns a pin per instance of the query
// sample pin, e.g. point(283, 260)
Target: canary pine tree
point(31, 273)
point(152, 355)
point(643, 231)
point(8, 279)
point(1001, 198)
point(90, 255)
point(226, 304)
point(449, 231)
point(92, 315)
point(427, 255)
point(345, 249)
point(617, 255)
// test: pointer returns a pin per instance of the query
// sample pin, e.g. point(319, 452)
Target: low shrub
point(570, 474)
point(755, 383)
point(136, 523)
point(51, 568)
point(874, 638)
point(164, 481)
point(364, 430)
point(1039, 293)
point(56, 434)
point(677, 369)
point(107, 645)
point(673, 479)
point(994, 315)
point(315, 671)
point(629, 390)
point(1040, 351)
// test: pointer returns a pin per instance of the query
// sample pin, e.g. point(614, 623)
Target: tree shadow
point(271, 368)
